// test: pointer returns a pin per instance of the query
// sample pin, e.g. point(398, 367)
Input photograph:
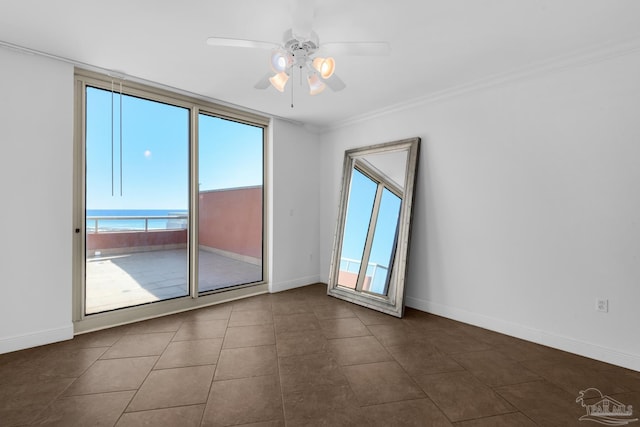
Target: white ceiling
point(436, 45)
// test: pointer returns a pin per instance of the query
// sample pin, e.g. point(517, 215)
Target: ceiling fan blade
point(224, 41)
point(335, 83)
point(302, 19)
point(357, 48)
point(264, 82)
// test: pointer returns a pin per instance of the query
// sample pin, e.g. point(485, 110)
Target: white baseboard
point(48, 336)
point(550, 339)
point(295, 283)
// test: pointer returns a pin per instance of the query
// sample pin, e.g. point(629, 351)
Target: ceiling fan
point(301, 49)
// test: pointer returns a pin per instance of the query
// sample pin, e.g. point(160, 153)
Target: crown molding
point(597, 53)
point(121, 75)
point(578, 58)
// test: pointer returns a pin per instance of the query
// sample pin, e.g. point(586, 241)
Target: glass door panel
point(230, 203)
point(137, 198)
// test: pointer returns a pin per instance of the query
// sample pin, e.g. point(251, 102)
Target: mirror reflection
point(370, 232)
point(373, 226)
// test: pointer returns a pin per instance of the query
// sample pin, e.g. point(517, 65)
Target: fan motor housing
point(300, 49)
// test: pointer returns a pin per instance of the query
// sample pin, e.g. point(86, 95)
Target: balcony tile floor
point(117, 281)
point(302, 358)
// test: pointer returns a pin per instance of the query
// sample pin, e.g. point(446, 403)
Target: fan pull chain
point(292, 91)
point(120, 138)
point(112, 153)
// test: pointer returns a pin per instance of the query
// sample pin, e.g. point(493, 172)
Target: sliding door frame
point(86, 323)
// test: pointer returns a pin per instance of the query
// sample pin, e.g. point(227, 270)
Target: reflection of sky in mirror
point(383, 239)
point(361, 196)
point(360, 205)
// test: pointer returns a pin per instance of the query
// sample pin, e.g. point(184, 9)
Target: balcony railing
point(376, 272)
point(111, 224)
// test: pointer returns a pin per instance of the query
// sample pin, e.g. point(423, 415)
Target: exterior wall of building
point(231, 220)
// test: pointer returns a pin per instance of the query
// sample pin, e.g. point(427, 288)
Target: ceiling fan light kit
point(298, 52)
point(279, 81)
point(280, 60)
point(315, 84)
point(325, 66)
point(299, 47)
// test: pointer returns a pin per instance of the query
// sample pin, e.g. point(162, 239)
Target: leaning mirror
point(371, 247)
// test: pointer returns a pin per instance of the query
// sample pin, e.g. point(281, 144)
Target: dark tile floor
point(301, 358)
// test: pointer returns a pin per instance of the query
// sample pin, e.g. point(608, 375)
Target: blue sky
point(361, 196)
point(155, 153)
point(230, 154)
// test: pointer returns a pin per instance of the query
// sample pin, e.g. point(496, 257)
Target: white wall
point(295, 215)
point(527, 206)
point(36, 136)
point(36, 182)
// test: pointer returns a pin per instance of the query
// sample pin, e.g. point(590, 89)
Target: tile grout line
point(412, 379)
point(124, 411)
point(213, 377)
point(275, 338)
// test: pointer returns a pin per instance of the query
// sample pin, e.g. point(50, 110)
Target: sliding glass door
point(230, 174)
point(172, 198)
point(137, 198)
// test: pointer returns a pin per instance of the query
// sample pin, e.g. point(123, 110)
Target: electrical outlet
point(602, 305)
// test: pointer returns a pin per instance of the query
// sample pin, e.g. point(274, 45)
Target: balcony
point(133, 260)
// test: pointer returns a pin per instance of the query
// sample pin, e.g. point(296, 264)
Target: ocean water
point(105, 220)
